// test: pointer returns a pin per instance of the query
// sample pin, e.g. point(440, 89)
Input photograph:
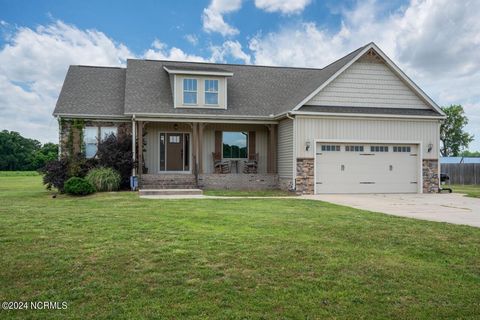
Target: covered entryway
point(366, 168)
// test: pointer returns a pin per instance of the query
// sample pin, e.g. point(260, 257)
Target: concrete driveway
point(452, 208)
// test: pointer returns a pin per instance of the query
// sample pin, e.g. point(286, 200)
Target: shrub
point(55, 173)
point(78, 187)
point(116, 153)
point(104, 179)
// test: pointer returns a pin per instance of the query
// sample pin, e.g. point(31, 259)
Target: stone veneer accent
point(238, 181)
point(431, 180)
point(123, 129)
point(305, 180)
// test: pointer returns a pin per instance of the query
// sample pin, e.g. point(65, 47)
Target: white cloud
point(160, 51)
point(33, 64)
point(435, 42)
point(212, 16)
point(192, 39)
point(282, 6)
point(229, 49)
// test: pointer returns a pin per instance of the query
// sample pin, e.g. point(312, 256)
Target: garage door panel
point(366, 172)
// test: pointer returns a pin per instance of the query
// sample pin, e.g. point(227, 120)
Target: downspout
point(293, 187)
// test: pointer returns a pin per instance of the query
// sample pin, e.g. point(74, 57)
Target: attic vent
point(371, 56)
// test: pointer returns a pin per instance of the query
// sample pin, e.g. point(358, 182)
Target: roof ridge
point(89, 66)
point(228, 64)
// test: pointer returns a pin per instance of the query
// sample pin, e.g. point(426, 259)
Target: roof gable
point(364, 82)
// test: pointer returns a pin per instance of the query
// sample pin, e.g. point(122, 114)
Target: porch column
point(140, 148)
point(272, 149)
point(194, 148)
point(201, 126)
point(134, 145)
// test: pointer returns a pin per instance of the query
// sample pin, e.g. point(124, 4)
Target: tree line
point(18, 153)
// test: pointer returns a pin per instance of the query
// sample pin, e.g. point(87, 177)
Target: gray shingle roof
point(92, 91)
point(144, 87)
point(371, 110)
point(252, 91)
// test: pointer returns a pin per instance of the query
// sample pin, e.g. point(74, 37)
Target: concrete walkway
point(452, 208)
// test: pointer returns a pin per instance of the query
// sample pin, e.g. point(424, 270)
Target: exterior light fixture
point(430, 147)
point(175, 126)
point(307, 145)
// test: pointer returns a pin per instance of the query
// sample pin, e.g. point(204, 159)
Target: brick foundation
point(430, 176)
point(238, 181)
point(305, 180)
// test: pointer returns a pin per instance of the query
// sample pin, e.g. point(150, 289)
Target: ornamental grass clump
point(78, 187)
point(104, 179)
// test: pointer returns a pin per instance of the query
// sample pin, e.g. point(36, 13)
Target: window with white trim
point(189, 91)
point(211, 92)
point(401, 149)
point(329, 147)
point(354, 148)
point(91, 138)
point(378, 148)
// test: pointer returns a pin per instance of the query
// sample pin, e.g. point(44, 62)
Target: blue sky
point(435, 42)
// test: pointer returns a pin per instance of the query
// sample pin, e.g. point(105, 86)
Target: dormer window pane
point(190, 91)
point(211, 91)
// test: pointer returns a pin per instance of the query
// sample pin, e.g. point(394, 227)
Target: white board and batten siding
point(285, 149)
point(368, 83)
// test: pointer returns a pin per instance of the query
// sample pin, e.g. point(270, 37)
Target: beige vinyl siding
point(285, 149)
point(261, 140)
point(368, 84)
point(363, 129)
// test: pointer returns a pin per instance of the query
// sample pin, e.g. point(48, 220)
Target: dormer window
point(211, 92)
point(190, 91)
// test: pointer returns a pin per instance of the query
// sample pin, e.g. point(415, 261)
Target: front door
point(175, 152)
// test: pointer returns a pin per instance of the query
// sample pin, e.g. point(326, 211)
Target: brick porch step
point(169, 192)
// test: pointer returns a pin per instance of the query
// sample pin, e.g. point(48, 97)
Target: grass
point(249, 193)
point(115, 256)
point(18, 173)
point(470, 190)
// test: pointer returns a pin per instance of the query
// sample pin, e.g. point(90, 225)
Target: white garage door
point(366, 168)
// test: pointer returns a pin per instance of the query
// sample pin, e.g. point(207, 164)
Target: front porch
point(183, 155)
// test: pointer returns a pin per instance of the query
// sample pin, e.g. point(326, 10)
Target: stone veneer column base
point(305, 179)
point(431, 180)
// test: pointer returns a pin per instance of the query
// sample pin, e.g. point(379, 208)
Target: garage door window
point(378, 148)
point(401, 149)
point(328, 147)
point(354, 148)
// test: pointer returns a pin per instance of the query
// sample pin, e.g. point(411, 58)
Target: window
point(354, 148)
point(211, 91)
point(106, 132)
point(401, 149)
point(91, 138)
point(235, 145)
point(174, 139)
point(327, 147)
point(378, 148)
point(189, 91)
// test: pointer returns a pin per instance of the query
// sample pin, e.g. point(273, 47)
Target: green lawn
point(115, 256)
point(469, 190)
